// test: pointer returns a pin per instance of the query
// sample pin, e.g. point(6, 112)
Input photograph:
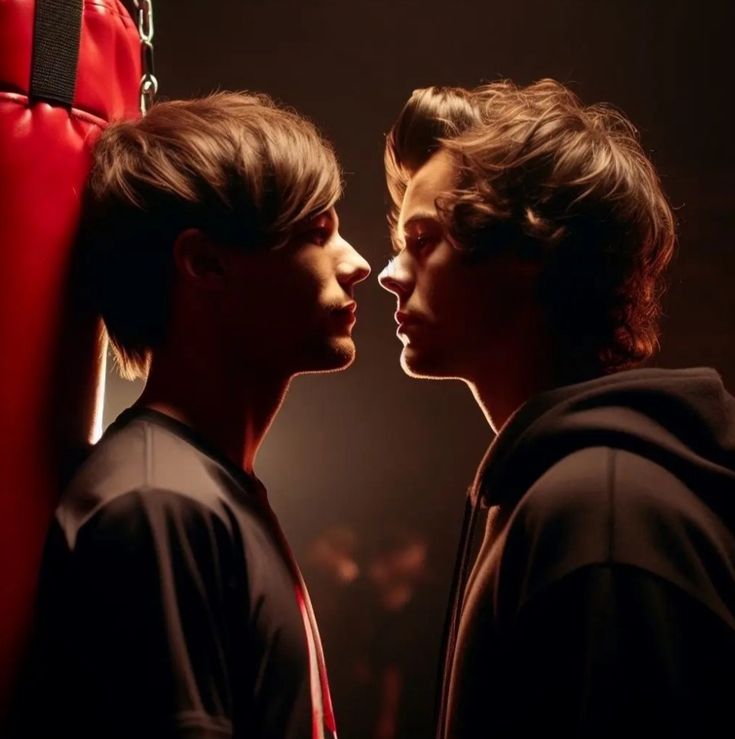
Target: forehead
point(436, 177)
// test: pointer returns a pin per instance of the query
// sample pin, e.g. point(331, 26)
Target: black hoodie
point(602, 600)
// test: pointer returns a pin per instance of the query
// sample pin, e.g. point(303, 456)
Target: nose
point(394, 277)
point(352, 267)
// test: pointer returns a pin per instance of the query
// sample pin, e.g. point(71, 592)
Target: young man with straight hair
point(171, 605)
point(531, 236)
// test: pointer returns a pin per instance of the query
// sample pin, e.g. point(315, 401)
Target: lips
point(346, 313)
point(405, 321)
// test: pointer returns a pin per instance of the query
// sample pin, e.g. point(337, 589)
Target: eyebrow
point(398, 238)
point(423, 215)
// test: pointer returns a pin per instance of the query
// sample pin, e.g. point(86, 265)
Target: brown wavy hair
point(235, 165)
point(552, 179)
point(431, 116)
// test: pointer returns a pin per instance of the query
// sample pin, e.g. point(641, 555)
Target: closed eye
point(420, 243)
point(319, 229)
point(320, 235)
point(422, 233)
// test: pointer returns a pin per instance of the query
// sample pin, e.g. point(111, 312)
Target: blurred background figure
point(343, 603)
point(376, 601)
point(405, 647)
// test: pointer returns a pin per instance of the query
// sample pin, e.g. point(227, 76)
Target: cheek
point(280, 298)
point(492, 300)
point(306, 279)
point(445, 292)
point(255, 303)
point(286, 289)
point(462, 304)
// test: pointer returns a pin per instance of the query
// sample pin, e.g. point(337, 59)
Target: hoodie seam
point(622, 566)
point(148, 454)
point(611, 503)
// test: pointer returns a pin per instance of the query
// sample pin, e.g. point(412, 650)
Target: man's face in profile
point(452, 309)
point(292, 309)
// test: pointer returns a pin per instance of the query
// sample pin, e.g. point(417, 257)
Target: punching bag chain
point(148, 82)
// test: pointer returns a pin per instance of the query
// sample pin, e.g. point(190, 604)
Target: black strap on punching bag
point(56, 32)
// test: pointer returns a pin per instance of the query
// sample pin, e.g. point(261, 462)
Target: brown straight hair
point(235, 165)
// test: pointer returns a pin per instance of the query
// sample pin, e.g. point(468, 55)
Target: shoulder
point(602, 505)
point(143, 525)
point(146, 473)
point(615, 495)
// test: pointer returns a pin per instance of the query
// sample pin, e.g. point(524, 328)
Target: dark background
point(369, 447)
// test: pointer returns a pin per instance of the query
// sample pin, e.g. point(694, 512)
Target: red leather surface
point(109, 56)
point(44, 160)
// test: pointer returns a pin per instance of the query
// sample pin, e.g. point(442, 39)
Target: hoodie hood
point(684, 420)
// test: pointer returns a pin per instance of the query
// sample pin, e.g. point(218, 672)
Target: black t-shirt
point(168, 605)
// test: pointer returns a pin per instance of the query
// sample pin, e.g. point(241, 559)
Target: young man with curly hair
point(531, 236)
point(170, 604)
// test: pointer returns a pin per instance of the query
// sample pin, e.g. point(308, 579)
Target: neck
point(233, 410)
point(501, 386)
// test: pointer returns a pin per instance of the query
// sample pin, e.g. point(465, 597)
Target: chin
point(425, 365)
point(337, 354)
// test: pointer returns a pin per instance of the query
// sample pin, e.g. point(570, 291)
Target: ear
point(199, 260)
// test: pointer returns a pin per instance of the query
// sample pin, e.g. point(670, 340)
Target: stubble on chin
point(336, 356)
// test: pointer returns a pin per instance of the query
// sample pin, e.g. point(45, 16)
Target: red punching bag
point(67, 67)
